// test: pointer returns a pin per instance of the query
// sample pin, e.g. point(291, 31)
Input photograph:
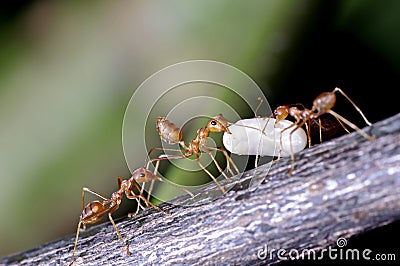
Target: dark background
point(93, 55)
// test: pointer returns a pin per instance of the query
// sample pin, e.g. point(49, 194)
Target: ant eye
point(142, 175)
point(213, 123)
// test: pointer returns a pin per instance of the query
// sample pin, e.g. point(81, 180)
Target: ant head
point(143, 175)
point(218, 124)
point(281, 112)
point(159, 121)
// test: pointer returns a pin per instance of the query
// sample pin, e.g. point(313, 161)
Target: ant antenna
point(258, 106)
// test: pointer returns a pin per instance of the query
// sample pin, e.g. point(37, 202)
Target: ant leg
point(148, 203)
point(319, 123)
point(281, 142)
point(138, 201)
point(219, 167)
point(83, 198)
point(341, 124)
point(152, 182)
point(155, 168)
point(208, 172)
point(169, 157)
point(131, 214)
point(347, 122)
point(291, 145)
point(119, 234)
point(354, 105)
point(291, 153)
point(229, 159)
point(254, 128)
point(168, 182)
point(150, 189)
point(154, 206)
point(139, 205)
point(259, 143)
point(85, 189)
point(258, 106)
point(166, 157)
point(163, 157)
point(308, 134)
point(157, 160)
point(76, 242)
point(161, 149)
point(320, 129)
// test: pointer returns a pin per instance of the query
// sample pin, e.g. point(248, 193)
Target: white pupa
point(248, 138)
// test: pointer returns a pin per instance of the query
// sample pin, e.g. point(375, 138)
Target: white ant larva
point(261, 136)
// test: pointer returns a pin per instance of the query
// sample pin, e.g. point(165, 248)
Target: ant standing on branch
point(322, 104)
point(171, 134)
point(95, 210)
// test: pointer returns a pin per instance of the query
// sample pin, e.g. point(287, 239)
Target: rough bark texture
point(339, 188)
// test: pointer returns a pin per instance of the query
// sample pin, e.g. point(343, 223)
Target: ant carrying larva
point(292, 138)
point(322, 104)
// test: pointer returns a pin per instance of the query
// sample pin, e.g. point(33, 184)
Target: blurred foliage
point(68, 70)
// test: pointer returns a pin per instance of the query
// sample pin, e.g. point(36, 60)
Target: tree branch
point(339, 188)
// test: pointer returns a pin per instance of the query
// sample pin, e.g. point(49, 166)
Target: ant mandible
point(171, 134)
point(95, 210)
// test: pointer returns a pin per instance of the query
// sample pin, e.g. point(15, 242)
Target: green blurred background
point(69, 68)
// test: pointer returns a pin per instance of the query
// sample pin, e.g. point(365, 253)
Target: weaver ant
point(95, 210)
point(322, 104)
point(171, 134)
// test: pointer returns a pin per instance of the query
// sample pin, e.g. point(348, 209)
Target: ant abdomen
point(324, 102)
point(168, 131)
point(90, 214)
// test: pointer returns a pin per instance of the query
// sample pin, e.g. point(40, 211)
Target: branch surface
point(340, 188)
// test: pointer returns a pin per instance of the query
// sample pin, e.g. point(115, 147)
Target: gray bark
point(340, 188)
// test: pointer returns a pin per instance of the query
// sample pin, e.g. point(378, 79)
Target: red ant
point(95, 210)
point(322, 104)
point(171, 134)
